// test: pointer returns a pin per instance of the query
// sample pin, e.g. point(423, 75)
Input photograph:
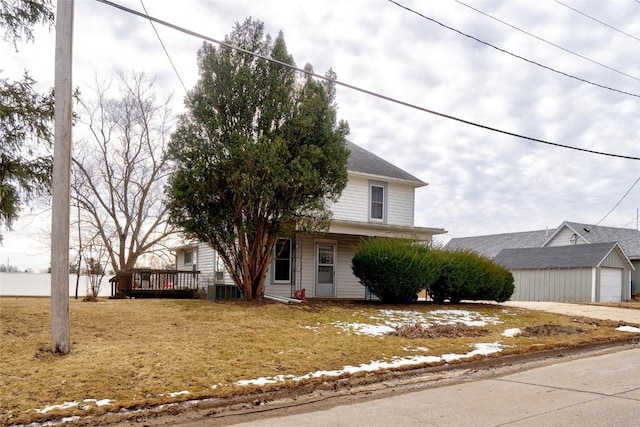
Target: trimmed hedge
point(395, 270)
point(467, 275)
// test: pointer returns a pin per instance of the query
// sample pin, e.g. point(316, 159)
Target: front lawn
point(135, 353)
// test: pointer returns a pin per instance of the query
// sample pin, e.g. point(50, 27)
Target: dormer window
point(377, 201)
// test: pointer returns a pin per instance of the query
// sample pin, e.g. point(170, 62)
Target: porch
point(151, 283)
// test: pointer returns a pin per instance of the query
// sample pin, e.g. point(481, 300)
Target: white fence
point(39, 285)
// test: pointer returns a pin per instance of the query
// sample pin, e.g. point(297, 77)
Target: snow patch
point(65, 405)
point(74, 404)
point(389, 320)
point(512, 332)
point(625, 328)
point(378, 365)
point(178, 393)
point(421, 349)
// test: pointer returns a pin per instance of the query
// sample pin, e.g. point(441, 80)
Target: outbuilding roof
point(365, 162)
point(572, 256)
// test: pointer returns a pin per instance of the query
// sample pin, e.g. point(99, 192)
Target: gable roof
point(572, 256)
point(629, 238)
point(491, 245)
point(365, 162)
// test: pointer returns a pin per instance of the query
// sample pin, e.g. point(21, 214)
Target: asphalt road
point(596, 391)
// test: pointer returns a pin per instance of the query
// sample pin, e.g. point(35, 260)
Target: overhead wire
point(356, 88)
point(598, 21)
point(546, 67)
point(545, 41)
point(164, 48)
point(618, 203)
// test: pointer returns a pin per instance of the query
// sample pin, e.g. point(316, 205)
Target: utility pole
point(60, 206)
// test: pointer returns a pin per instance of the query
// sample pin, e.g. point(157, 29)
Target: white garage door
point(610, 284)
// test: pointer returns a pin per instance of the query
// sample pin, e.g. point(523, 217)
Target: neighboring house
point(378, 200)
point(572, 236)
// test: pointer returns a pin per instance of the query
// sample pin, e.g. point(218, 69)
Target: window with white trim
point(282, 261)
point(188, 257)
point(377, 201)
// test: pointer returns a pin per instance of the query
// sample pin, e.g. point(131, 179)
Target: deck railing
point(145, 282)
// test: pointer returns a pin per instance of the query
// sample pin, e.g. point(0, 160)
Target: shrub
point(467, 275)
point(395, 270)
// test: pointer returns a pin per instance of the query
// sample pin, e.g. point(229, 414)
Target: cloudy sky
point(480, 181)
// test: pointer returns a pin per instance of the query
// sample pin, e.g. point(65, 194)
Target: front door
point(325, 270)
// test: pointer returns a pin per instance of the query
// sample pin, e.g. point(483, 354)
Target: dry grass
point(137, 352)
point(455, 330)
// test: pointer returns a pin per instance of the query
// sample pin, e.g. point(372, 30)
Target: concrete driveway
point(625, 315)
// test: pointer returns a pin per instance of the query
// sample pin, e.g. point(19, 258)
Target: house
point(378, 200)
point(571, 236)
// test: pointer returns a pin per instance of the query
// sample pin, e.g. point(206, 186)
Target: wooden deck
point(150, 283)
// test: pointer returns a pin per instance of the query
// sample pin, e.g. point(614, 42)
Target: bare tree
point(121, 168)
point(95, 269)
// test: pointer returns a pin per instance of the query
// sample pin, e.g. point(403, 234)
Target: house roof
point(628, 238)
point(365, 162)
point(572, 256)
point(491, 245)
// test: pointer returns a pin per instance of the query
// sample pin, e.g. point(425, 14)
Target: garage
point(610, 281)
point(597, 272)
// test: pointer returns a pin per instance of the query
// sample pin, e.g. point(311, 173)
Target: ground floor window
point(188, 257)
point(282, 261)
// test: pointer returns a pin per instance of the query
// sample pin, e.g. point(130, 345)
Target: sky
point(479, 181)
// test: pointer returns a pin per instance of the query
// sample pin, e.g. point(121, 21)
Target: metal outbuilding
point(598, 272)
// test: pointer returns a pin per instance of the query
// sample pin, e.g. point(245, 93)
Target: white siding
point(401, 201)
point(563, 238)
point(353, 204)
point(347, 285)
point(180, 264)
point(206, 263)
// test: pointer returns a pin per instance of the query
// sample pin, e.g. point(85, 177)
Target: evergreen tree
point(25, 117)
point(258, 155)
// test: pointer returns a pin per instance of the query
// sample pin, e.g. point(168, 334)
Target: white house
point(378, 200)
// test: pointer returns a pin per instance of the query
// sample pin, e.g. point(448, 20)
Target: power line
point(598, 21)
point(618, 203)
point(516, 55)
point(356, 88)
point(164, 48)
point(546, 41)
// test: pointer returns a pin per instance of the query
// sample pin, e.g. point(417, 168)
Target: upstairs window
point(377, 198)
point(282, 262)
